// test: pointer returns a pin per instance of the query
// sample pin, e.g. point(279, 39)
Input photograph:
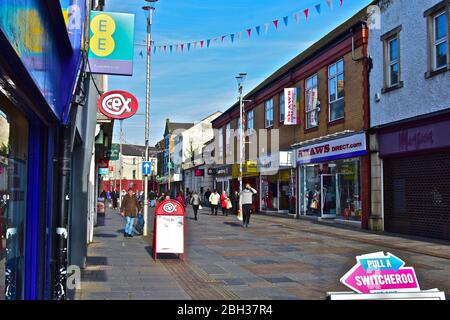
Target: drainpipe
point(63, 170)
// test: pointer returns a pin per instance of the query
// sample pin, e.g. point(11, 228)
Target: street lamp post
point(150, 10)
point(240, 79)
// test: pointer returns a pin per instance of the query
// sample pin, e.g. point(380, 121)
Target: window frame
point(308, 112)
point(248, 120)
point(265, 113)
point(436, 43)
point(336, 88)
point(281, 106)
point(228, 138)
point(430, 15)
point(220, 142)
point(392, 62)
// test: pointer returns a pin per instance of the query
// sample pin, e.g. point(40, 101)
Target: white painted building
point(410, 117)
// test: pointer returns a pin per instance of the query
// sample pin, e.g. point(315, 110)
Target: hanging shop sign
point(113, 153)
point(199, 172)
point(347, 147)
point(118, 104)
point(103, 171)
point(380, 273)
point(291, 102)
point(103, 163)
point(169, 228)
point(111, 44)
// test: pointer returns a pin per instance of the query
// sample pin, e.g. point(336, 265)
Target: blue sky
point(189, 86)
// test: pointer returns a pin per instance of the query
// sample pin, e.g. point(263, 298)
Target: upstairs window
point(282, 106)
point(250, 120)
point(312, 102)
point(269, 113)
point(336, 90)
point(440, 40)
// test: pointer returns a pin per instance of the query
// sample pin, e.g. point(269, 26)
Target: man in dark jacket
point(129, 209)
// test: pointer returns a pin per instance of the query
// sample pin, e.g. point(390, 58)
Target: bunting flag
point(275, 23)
point(318, 8)
point(296, 16)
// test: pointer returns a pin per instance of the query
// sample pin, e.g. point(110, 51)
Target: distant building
point(132, 158)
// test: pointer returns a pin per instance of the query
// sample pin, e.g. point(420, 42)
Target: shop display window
point(13, 183)
point(332, 190)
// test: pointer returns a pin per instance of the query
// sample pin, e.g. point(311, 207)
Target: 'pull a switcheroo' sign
point(380, 273)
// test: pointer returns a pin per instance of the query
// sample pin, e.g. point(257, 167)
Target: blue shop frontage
point(40, 59)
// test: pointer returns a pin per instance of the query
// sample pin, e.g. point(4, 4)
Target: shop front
point(330, 178)
point(277, 183)
point(250, 175)
point(222, 178)
point(416, 174)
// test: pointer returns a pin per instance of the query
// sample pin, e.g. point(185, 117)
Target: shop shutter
point(417, 195)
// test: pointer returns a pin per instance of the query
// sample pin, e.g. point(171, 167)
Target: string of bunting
point(233, 37)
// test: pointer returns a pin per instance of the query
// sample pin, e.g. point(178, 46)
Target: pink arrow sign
point(376, 281)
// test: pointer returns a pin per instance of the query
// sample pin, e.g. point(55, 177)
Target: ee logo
point(102, 43)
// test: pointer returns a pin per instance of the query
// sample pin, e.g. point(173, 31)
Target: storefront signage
point(421, 138)
point(199, 172)
point(291, 102)
point(380, 273)
point(103, 163)
point(220, 171)
point(351, 146)
point(103, 171)
point(113, 153)
point(111, 45)
point(118, 104)
point(269, 165)
point(168, 229)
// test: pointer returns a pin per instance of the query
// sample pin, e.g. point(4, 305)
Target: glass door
point(328, 203)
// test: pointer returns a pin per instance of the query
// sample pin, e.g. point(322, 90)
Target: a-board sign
point(169, 228)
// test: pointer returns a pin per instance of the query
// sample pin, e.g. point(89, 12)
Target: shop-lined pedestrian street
point(275, 258)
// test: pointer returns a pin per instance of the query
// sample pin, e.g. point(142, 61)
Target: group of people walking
point(131, 205)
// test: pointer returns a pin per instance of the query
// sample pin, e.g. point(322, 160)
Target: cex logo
point(118, 104)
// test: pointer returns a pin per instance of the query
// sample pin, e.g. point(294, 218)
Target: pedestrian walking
point(115, 197)
point(225, 203)
point(180, 199)
point(195, 202)
point(246, 199)
point(162, 197)
point(235, 202)
point(214, 199)
point(206, 196)
point(129, 209)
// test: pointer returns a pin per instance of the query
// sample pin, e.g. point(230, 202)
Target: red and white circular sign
point(118, 104)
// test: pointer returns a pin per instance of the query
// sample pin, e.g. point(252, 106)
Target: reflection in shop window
point(13, 181)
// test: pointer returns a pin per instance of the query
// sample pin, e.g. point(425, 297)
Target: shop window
point(336, 90)
point(13, 189)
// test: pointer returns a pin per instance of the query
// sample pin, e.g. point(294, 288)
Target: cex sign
point(118, 104)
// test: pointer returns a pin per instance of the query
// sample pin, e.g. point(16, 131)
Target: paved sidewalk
point(121, 268)
point(274, 258)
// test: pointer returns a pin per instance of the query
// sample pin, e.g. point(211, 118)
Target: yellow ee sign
point(102, 43)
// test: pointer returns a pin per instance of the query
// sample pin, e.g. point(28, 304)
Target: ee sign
point(118, 104)
point(111, 44)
